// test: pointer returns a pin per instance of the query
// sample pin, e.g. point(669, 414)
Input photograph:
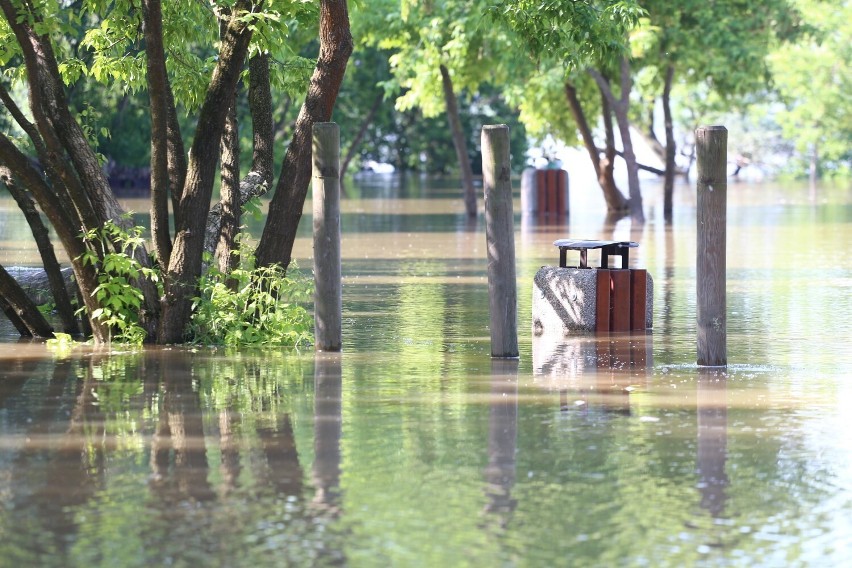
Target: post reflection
point(327, 430)
point(502, 439)
point(712, 451)
point(593, 371)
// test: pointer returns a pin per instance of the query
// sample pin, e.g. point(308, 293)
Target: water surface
point(414, 448)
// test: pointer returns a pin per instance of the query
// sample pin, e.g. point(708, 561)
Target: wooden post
point(328, 297)
point(500, 240)
point(712, 153)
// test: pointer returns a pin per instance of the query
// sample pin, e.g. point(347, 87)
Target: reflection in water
point(179, 464)
point(328, 401)
point(712, 409)
point(502, 438)
point(599, 369)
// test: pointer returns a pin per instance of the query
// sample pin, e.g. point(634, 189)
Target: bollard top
point(494, 126)
point(712, 127)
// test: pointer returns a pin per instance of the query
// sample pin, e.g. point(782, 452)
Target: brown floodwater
point(413, 447)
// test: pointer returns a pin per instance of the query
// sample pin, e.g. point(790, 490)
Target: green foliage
point(111, 251)
point(252, 305)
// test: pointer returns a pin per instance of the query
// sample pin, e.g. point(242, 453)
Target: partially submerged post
point(328, 297)
point(711, 148)
point(500, 240)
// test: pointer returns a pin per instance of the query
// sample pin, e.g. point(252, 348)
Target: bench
point(608, 248)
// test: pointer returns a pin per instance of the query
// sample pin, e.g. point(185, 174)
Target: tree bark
point(45, 248)
point(285, 209)
point(620, 108)
point(68, 149)
point(229, 192)
point(185, 263)
point(668, 180)
point(157, 86)
point(616, 203)
point(24, 308)
point(260, 106)
point(459, 142)
point(65, 229)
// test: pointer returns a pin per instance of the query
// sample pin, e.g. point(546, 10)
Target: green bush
point(253, 306)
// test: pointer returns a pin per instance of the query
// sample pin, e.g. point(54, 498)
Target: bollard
point(711, 149)
point(328, 297)
point(500, 241)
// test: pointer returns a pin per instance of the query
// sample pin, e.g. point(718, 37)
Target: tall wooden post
point(500, 239)
point(712, 152)
point(328, 297)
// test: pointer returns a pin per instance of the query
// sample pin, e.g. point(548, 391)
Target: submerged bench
point(608, 248)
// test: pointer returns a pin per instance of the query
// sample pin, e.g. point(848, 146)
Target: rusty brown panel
point(638, 290)
point(620, 300)
point(541, 190)
point(560, 191)
point(552, 199)
point(602, 305)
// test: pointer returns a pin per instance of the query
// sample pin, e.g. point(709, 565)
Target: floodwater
point(414, 448)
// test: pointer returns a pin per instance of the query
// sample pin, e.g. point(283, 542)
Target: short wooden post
point(328, 297)
point(712, 153)
point(500, 240)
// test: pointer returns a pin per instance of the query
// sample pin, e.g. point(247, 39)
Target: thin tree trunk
point(620, 107)
point(285, 209)
point(229, 193)
point(668, 180)
point(185, 263)
point(362, 130)
point(23, 307)
point(459, 142)
point(260, 105)
point(615, 201)
point(45, 248)
point(157, 85)
point(258, 181)
point(10, 312)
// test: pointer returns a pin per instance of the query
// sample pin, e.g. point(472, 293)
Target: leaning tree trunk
point(285, 209)
point(184, 267)
point(68, 152)
point(229, 192)
point(26, 311)
point(45, 248)
point(616, 203)
point(459, 143)
point(620, 108)
point(668, 180)
point(362, 130)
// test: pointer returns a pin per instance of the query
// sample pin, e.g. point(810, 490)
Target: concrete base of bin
point(565, 301)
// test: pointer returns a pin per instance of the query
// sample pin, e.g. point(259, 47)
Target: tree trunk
point(229, 192)
point(616, 203)
point(459, 142)
point(45, 248)
point(184, 266)
point(68, 149)
point(356, 142)
point(621, 107)
point(668, 180)
point(285, 209)
point(258, 181)
point(25, 310)
point(260, 105)
point(66, 230)
point(157, 86)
